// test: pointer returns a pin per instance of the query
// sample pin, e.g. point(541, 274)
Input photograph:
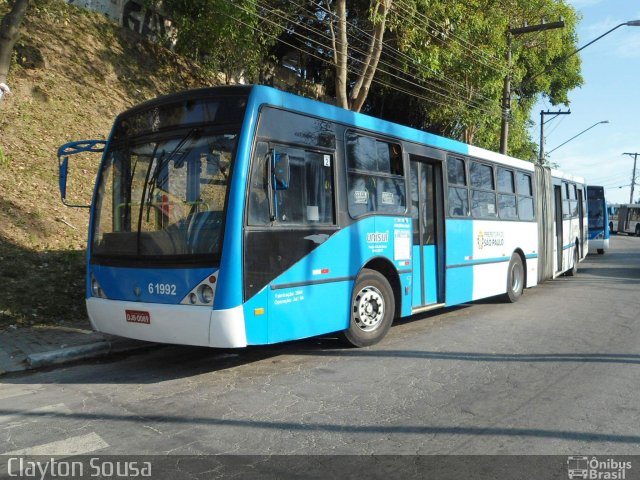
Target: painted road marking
point(79, 445)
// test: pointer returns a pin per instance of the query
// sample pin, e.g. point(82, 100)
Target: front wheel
point(515, 279)
point(372, 309)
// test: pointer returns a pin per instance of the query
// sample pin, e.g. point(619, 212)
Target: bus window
point(458, 196)
point(483, 201)
point(375, 176)
point(525, 196)
point(309, 196)
point(507, 205)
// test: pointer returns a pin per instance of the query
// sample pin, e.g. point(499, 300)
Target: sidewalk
point(24, 348)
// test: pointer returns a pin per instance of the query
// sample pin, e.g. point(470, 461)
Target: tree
point(378, 13)
point(9, 34)
point(452, 56)
point(229, 37)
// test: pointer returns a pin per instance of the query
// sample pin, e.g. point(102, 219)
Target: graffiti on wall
point(131, 14)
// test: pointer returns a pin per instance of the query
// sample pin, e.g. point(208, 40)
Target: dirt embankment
point(74, 72)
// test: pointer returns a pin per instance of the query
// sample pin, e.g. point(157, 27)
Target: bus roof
point(259, 95)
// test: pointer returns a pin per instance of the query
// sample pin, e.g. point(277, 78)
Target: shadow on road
point(316, 427)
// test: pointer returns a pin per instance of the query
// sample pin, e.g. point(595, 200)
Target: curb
point(84, 352)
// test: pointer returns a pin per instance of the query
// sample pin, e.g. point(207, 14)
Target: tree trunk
point(340, 56)
point(9, 34)
point(355, 100)
point(361, 89)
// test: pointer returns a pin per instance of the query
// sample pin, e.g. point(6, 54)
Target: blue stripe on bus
point(94, 206)
point(230, 280)
point(416, 288)
point(267, 95)
point(293, 308)
point(459, 281)
point(151, 285)
point(480, 262)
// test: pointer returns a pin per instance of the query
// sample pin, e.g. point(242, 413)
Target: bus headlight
point(96, 289)
point(205, 292)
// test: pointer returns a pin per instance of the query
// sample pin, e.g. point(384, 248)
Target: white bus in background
point(629, 219)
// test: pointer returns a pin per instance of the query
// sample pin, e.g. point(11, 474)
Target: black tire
point(515, 279)
point(638, 230)
point(573, 271)
point(601, 251)
point(372, 310)
point(611, 230)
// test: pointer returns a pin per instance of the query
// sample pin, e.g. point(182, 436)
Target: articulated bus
point(629, 219)
point(235, 216)
point(598, 216)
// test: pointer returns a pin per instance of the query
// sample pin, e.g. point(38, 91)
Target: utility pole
point(542, 122)
point(633, 176)
point(506, 91)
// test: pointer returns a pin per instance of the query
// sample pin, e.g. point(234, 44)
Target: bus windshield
point(164, 197)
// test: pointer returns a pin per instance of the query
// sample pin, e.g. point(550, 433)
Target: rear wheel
point(638, 230)
point(515, 279)
point(573, 271)
point(372, 309)
point(601, 251)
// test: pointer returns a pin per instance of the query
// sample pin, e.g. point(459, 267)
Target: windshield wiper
point(150, 183)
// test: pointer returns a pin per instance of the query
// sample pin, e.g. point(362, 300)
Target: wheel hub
point(368, 308)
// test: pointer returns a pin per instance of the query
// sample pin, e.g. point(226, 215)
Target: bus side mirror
point(71, 148)
point(281, 171)
point(63, 167)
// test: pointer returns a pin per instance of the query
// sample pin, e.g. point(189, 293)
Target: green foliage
point(450, 55)
point(230, 37)
point(457, 51)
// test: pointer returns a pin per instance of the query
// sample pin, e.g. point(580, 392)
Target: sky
point(611, 72)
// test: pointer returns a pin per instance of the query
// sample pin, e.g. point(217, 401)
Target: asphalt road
point(556, 373)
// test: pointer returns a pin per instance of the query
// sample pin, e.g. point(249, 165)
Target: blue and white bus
point(235, 216)
point(598, 215)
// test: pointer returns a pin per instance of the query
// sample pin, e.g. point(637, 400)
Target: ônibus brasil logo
point(595, 469)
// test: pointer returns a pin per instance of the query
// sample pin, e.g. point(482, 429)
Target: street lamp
point(630, 23)
point(506, 91)
point(575, 136)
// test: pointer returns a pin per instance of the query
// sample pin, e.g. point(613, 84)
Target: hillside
point(74, 72)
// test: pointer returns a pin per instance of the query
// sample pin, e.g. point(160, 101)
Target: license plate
point(137, 316)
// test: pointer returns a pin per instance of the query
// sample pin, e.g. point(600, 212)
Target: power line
point(377, 81)
point(430, 90)
point(443, 91)
point(397, 52)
